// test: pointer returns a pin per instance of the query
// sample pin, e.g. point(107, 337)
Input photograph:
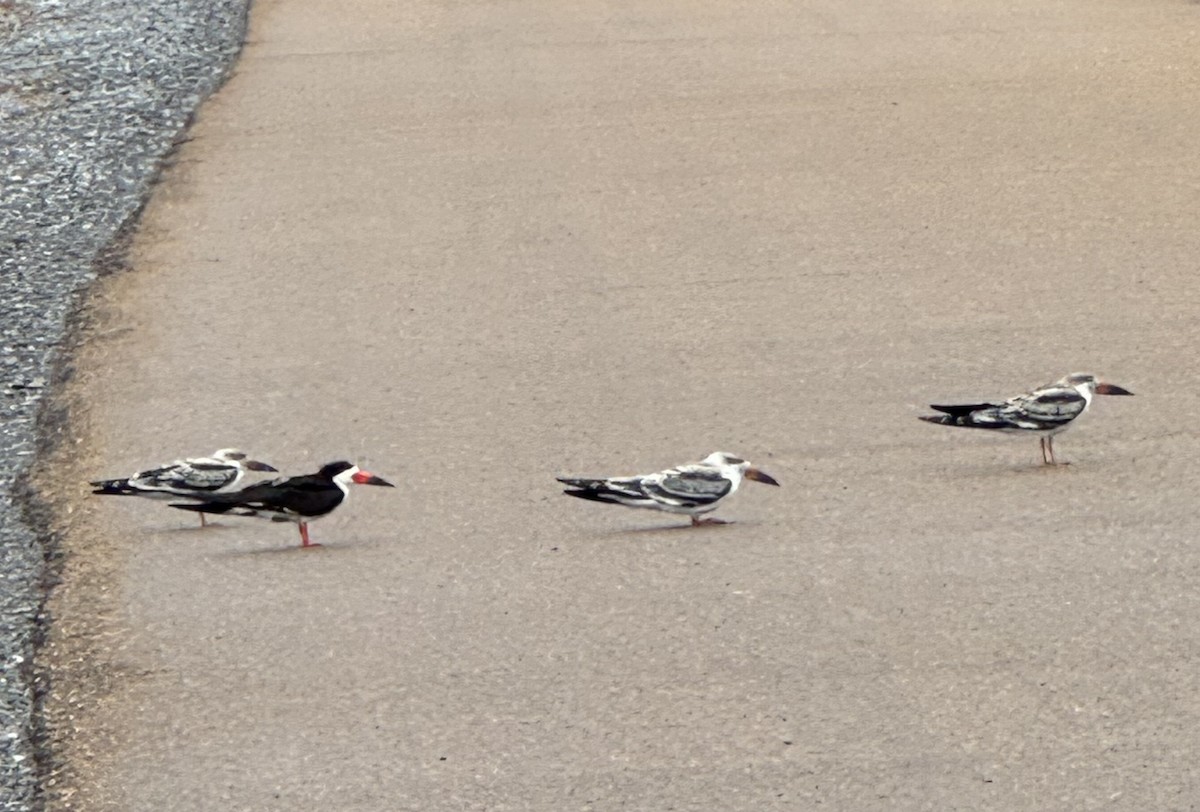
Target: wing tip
point(113, 487)
point(200, 507)
point(590, 495)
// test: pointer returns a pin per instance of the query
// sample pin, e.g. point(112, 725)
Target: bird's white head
point(1088, 384)
point(229, 455)
point(735, 468)
point(238, 457)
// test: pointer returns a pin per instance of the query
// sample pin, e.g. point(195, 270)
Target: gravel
point(93, 95)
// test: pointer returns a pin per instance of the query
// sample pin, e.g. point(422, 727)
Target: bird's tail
point(598, 490)
point(113, 487)
point(970, 415)
point(963, 409)
point(595, 496)
point(595, 490)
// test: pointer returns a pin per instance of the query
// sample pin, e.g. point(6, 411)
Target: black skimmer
point(193, 478)
point(299, 499)
point(692, 489)
point(1044, 412)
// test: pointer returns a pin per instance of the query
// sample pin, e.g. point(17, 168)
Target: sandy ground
point(472, 246)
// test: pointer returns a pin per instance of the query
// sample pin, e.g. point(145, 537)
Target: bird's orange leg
point(304, 537)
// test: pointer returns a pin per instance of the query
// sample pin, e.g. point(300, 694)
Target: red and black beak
point(367, 478)
point(255, 465)
point(1111, 389)
point(759, 476)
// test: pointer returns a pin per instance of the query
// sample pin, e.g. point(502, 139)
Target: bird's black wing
point(307, 495)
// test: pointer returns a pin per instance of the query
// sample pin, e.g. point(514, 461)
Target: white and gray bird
point(1044, 412)
point(692, 489)
point(192, 478)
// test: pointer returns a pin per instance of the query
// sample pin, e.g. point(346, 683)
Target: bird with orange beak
point(1044, 412)
point(692, 490)
point(198, 477)
point(299, 499)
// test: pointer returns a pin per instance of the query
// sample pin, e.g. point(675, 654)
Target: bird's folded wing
point(308, 496)
point(1044, 409)
point(687, 488)
point(186, 477)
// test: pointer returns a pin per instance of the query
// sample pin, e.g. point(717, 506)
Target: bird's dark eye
point(733, 460)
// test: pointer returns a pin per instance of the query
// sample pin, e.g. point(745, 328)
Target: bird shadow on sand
point(198, 533)
point(704, 529)
point(192, 529)
point(314, 549)
point(983, 471)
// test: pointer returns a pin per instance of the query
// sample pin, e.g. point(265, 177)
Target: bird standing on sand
point(1043, 412)
point(692, 489)
point(193, 478)
point(299, 499)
